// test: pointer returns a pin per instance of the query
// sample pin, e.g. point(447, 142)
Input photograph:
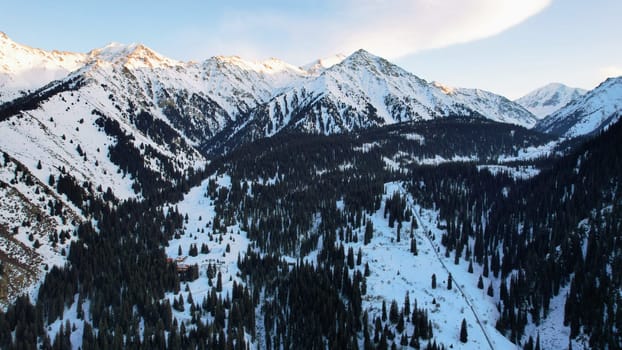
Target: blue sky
point(505, 46)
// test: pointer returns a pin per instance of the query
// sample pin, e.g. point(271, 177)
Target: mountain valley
point(149, 202)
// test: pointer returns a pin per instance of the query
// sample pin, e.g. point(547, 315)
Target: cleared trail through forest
point(464, 296)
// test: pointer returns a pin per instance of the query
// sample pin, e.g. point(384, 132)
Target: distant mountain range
point(587, 114)
point(229, 98)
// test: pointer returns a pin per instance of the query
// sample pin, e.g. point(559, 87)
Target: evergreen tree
point(400, 323)
point(463, 331)
point(359, 257)
point(413, 246)
point(350, 258)
point(369, 232)
point(384, 310)
point(219, 282)
point(529, 344)
point(393, 312)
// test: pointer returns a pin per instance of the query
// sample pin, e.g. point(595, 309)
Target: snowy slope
point(549, 98)
point(318, 66)
point(363, 91)
point(587, 114)
point(24, 68)
point(491, 106)
point(197, 99)
point(30, 227)
point(72, 131)
point(239, 85)
point(394, 270)
point(235, 84)
point(227, 94)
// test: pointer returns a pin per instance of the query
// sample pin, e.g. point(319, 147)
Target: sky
point(509, 47)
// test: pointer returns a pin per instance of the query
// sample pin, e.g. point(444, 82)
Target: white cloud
point(387, 28)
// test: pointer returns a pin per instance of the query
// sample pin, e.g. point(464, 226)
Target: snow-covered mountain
point(229, 96)
point(318, 66)
point(549, 98)
point(490, 105)
point(239, 85)
point(363, 91)
point(24, 68)
point(588, 114)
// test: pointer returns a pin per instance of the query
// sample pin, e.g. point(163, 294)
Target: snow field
point(201, 213)
point(395, 271)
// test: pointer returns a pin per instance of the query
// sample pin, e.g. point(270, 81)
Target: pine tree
point(480, 283)
point(400, 323)
point(413, 246)
point(350, 258)
point(463, 331)
point(413, 225)
point(449, 282)
point(369, 232)
point(219, 282)
point(433, 281)
point(384, 310)
point(529, 344)
point(393, 312)
point(404, 340)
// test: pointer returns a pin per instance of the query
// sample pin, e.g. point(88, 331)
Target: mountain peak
point(549, 98)
point(24, 68)
point(588, 113)
point(134, 55)
point(270, 66)
point(319, 65)
point(362, 55)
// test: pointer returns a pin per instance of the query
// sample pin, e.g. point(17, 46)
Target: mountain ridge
point(242, 85)
point(549, 98)
point(589, 114)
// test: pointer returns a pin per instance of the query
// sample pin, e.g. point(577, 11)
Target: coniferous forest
point(308, 197)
